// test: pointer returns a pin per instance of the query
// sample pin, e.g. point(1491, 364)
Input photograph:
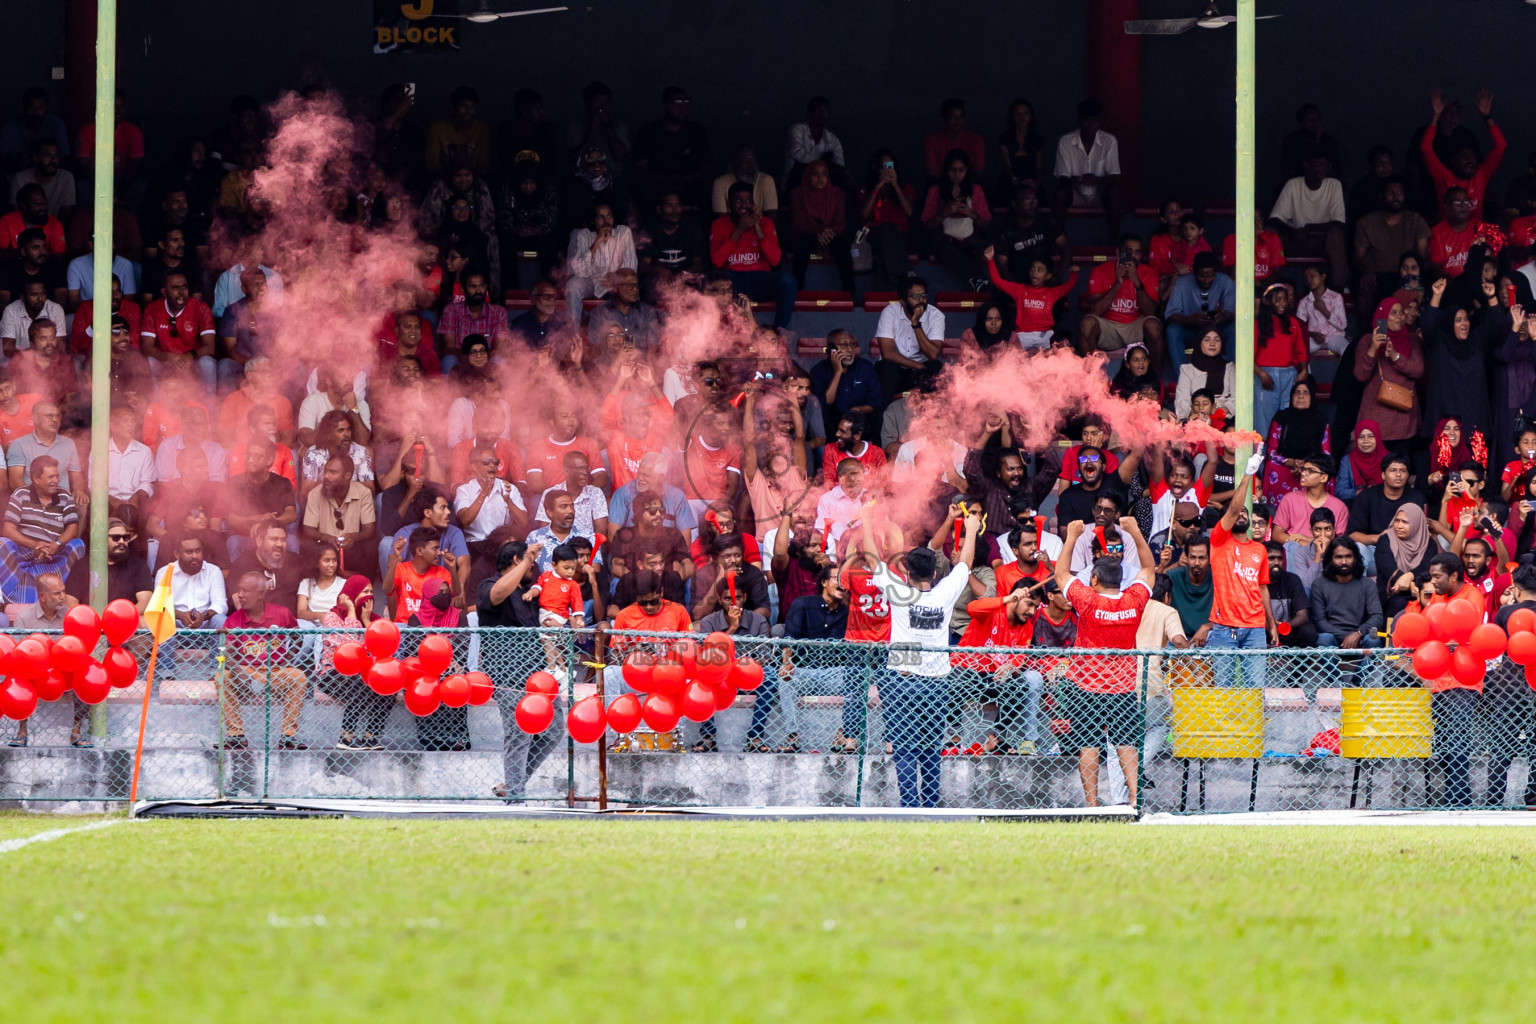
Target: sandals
point(84, 742)
point(756, 745)
point(791, 744)
point(706, 745)
point(19, 741)
point(289, 743)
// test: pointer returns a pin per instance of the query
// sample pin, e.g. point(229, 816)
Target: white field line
point(12, 845)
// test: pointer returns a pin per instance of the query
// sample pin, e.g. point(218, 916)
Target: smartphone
point(1126, 257)
point(410, 89)
point(889, 165)
point(1381, 326)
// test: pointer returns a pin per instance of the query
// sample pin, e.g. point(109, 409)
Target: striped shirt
point(37, 521)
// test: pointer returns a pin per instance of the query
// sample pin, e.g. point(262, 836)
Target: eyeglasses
point(711, 382)
point(121, 538)
point(659, 510)
point(917, 295)
point(1186, 523)
point(1469, 481)
point(648, 602)
point(1087, 459)
point(339, 519)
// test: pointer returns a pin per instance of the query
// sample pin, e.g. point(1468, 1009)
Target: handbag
point(1393, 395)
point(862, 252)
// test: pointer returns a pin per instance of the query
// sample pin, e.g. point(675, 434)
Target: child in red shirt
point(558, 591)
point(1034, 320)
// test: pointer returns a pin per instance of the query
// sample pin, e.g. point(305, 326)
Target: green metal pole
point(101, 308)
point(1243, 271)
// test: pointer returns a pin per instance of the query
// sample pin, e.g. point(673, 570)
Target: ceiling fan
point(483, 15)
point(1210, 17)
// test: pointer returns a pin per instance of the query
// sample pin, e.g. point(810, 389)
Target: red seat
point(518, 300)
point(874, 302)
point(824, 302)
point(810, 348)
point(960, 302)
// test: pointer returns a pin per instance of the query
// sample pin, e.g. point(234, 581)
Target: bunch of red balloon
point(1453, 638)
point(420, 676)
point(692, 680)
point(42, 667)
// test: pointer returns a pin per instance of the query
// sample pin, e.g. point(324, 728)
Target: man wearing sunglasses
point(128, 578)
point(1076, 502)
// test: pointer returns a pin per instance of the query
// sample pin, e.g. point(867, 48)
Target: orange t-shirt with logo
point(406, 588)
point(1238, 569)
point(625, 453)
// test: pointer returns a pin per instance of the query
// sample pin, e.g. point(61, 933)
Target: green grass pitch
point(614, 920)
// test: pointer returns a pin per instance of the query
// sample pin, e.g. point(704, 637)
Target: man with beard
point(1077, 501)
point(340, 509)
point(1381, 238)
point(993, 491)
point(1241, 618)
point(1191, 593)
point(799, 554)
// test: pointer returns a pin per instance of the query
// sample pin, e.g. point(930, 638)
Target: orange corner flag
point(160, 614)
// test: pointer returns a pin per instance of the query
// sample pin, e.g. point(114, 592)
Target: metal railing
point(833, 724)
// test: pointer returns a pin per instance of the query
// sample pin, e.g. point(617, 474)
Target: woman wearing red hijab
point(1362, 467)
point(1392, 354)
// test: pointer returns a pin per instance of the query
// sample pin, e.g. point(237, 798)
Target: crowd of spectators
point(748, 492)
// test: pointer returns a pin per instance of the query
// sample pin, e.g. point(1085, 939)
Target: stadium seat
point(518, 300)
point(961, 302)
point(874, 302)
point(824, 302)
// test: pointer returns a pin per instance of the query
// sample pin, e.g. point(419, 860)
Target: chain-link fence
point(263, 715)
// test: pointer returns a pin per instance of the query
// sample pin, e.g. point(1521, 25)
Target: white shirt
point(227, 290)
point(14, 322)
point(199, 593)
point(1299, 206)
point(837, 511)
point(1073, 161)
point(800, 148)
point(359, 387)
point(318, 403)
point(674, 384)
point(165, 459)
point(493, 513)
point(590, 506)
point(321, 600)
point(896, 325)
point(617, 253)
point(1324, 317)
point(921, 619)
point(908, 454)
point(128, 471)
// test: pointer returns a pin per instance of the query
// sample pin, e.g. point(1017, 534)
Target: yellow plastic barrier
point(1382, 722)
point(1210, 722)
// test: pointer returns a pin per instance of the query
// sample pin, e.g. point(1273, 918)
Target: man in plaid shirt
point(475, 315)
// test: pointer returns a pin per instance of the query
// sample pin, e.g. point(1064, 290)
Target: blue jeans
point(914, 709)
point(1454, 712)
point(1267, 403)
point(1182, 336)
point(768, 286)
point(1231, 638)
point(1336, 664)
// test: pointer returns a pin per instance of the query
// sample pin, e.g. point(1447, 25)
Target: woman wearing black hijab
point(1457, 351)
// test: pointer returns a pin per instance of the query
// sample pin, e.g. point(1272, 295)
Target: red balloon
point(624, 713)
point(1435, 615)
point(687, 652)
point(669, 677)
point(698, 702)
point(660, 712)
point(747, 674)
point(17, 699)
point(1467, 668)
point(714, 664)
point(721, 641)
point(455, 691)
point(382, 638)
point(50, 685)
point(586, 720)
point(543, 682)
point(30, 659)
point(637, 669)
point(481, 689)
point(1521, 620)
point(351, 659)
point(436, 654)
point(411, 669)
point(1522, 647)
point(1530, 676)
point(69, 653)
point(1431, 660)
point(422, 697)
point(534, 713)
point(386, 677)
point(121, 667)
point(1410, 630)
point(119, 621)
point(82, 623)
point(1487, 641)
point(725, 695)
point(1459, 620)
point(92, 684)
point(7, 647)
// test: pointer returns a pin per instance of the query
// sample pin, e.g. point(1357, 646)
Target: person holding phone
point(886, 204)
point(1392, 354)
